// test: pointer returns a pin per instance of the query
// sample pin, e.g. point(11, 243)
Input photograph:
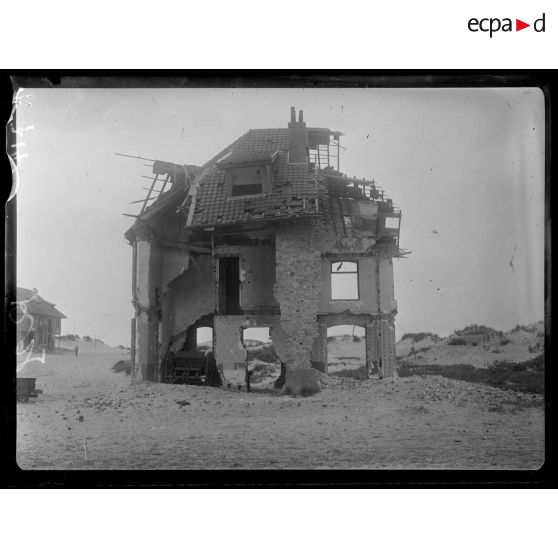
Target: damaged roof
point(294, 185)
point(298, 186)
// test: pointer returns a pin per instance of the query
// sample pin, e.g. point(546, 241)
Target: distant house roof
point(37, 305)
point(292, 182)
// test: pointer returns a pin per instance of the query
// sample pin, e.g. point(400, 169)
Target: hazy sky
point(465, 166)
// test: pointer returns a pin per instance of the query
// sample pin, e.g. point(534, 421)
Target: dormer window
point(247, 181)
point(248, 174)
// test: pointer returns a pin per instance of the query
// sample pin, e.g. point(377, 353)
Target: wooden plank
point(142, 201)
point(149, 195)
point(134, 157)
point(151, 178)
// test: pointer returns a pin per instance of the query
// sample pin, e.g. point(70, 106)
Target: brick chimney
point(298, 139)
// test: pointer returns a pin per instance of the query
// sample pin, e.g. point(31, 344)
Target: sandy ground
point(91, 418)
point(431, 351)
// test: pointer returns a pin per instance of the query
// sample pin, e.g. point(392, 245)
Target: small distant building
point(38, 320)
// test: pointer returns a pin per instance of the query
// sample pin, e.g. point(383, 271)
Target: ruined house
point(268, 233)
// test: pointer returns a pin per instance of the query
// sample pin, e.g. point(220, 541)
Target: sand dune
point(515, 346)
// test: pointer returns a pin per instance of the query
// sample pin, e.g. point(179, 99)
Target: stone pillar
point(385, 326)
point(319, 349)
point(146, 303)
point(298, 289)
point(386, 330)
point(133, 345)
point(372, 350)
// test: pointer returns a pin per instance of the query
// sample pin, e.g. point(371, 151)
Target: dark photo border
point(14, 477)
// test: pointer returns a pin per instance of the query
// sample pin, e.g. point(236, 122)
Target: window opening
point(344, 280)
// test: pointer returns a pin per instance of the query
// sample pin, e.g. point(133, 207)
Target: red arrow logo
point(519, 25)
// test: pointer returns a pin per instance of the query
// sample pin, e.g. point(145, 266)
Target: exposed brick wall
point(298, 290)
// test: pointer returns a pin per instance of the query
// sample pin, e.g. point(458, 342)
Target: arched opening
point(263, 364)
point(346, 351)
point(199, 335)
point(204, 339)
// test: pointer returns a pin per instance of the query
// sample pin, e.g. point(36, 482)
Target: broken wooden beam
point(149, 195)
point(135, 157)
point(141, 201)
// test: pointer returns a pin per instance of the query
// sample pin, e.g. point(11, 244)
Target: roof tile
point(291, 182)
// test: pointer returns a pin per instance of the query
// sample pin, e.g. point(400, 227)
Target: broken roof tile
point(296, 187)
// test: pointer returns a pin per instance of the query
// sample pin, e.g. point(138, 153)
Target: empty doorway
point(346, 351)
point(229, 285)
point(263, 364)
point(204, 339)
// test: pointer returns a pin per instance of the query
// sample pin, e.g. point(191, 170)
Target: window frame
point(267, 175)
point(332, 272)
